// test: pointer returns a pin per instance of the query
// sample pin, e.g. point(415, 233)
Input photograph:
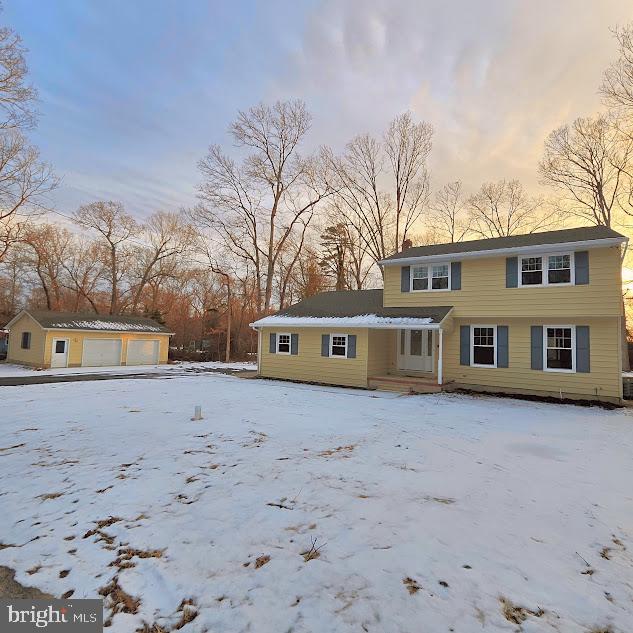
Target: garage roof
point(93, 322)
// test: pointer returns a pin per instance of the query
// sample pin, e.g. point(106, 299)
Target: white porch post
point(259, 351)
point(439, 359)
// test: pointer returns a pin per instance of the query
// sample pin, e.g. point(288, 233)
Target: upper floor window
point(546, 270)
point(559, 269)
point(432, 277)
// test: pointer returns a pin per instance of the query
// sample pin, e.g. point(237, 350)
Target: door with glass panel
point(415, 350)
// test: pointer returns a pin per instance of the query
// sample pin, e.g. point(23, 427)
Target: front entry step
point(404, 384)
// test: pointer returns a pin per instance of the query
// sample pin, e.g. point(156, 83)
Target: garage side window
point(26, 340)
point(283, 343)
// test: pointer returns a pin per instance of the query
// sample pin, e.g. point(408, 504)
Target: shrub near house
point(529, 314)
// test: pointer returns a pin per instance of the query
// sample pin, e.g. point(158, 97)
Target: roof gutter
point(514, 250)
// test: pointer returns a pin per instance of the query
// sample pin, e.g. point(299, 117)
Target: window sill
point(566, 283)
point(432, 290)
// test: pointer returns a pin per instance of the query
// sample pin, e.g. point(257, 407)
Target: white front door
point(59, 352)
point(415, 350)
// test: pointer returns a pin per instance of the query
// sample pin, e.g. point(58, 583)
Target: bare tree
point(383, 185)
point(617, 81)
point(24, 178)
point(408, 145)
point(502, 208)
point(359, 197)
point(115, 227)
point(590, 162)
point(84, 268)
point(49, 245)
point(449, 218)
point(256, 206)
point(168, 236)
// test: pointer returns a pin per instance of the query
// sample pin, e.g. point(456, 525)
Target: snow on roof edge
point(362, 320)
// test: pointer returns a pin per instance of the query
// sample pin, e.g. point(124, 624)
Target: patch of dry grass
point(342, 451)
point(413, 586)
point(516, 614)
point(260, 561)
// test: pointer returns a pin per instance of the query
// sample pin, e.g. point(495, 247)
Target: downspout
point(624, 346)
point(259, 348)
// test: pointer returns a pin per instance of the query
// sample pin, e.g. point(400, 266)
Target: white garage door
point(142, 352)
point(101, 352)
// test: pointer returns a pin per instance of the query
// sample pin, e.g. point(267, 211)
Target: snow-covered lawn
point(8, 370)
point(305, 509)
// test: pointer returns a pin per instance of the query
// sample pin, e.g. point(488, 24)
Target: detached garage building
point(57, 339)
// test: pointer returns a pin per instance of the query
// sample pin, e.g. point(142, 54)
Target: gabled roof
point(352, 308)
point(92, 322)
point(585, 234)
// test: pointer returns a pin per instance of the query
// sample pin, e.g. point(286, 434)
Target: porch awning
point(354, 308)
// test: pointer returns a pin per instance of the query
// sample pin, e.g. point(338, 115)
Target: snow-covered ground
point(8, 370)
point(298, 508)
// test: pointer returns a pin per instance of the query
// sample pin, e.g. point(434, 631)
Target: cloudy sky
point(133, 92)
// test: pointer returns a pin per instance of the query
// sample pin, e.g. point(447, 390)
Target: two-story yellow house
point(537, 314)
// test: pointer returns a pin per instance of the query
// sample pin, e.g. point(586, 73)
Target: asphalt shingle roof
point(349, 303)
point(96, 322)
point(581, 234)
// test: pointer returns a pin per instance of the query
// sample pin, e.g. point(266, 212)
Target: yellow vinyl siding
point(381, 357)
point(33, 356)
point(76, 340)
point(39, 355)
point(603, 381)
point(308, 365)
point(484, 292)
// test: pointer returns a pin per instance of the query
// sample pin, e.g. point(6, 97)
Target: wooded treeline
point(276, 221)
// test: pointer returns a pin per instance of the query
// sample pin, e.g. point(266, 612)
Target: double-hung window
point(338, 345)
point(484, 346)
point(420, 278)
point(431, 277)
point(440, 277)
point(559, 269)
point(547, 270)
point(559, 345)
point(283, 344)
point(531, 271)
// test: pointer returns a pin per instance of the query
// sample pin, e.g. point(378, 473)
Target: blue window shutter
point(582, 349)
point(294, 344)
point(464, 344)
point(456, 275)
point(272, 348)
point(581, 262)
point(325, 344)
point(405, 279)
point(351, 346)
point(512, 272)
point(502, 346)
point(537, 346)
